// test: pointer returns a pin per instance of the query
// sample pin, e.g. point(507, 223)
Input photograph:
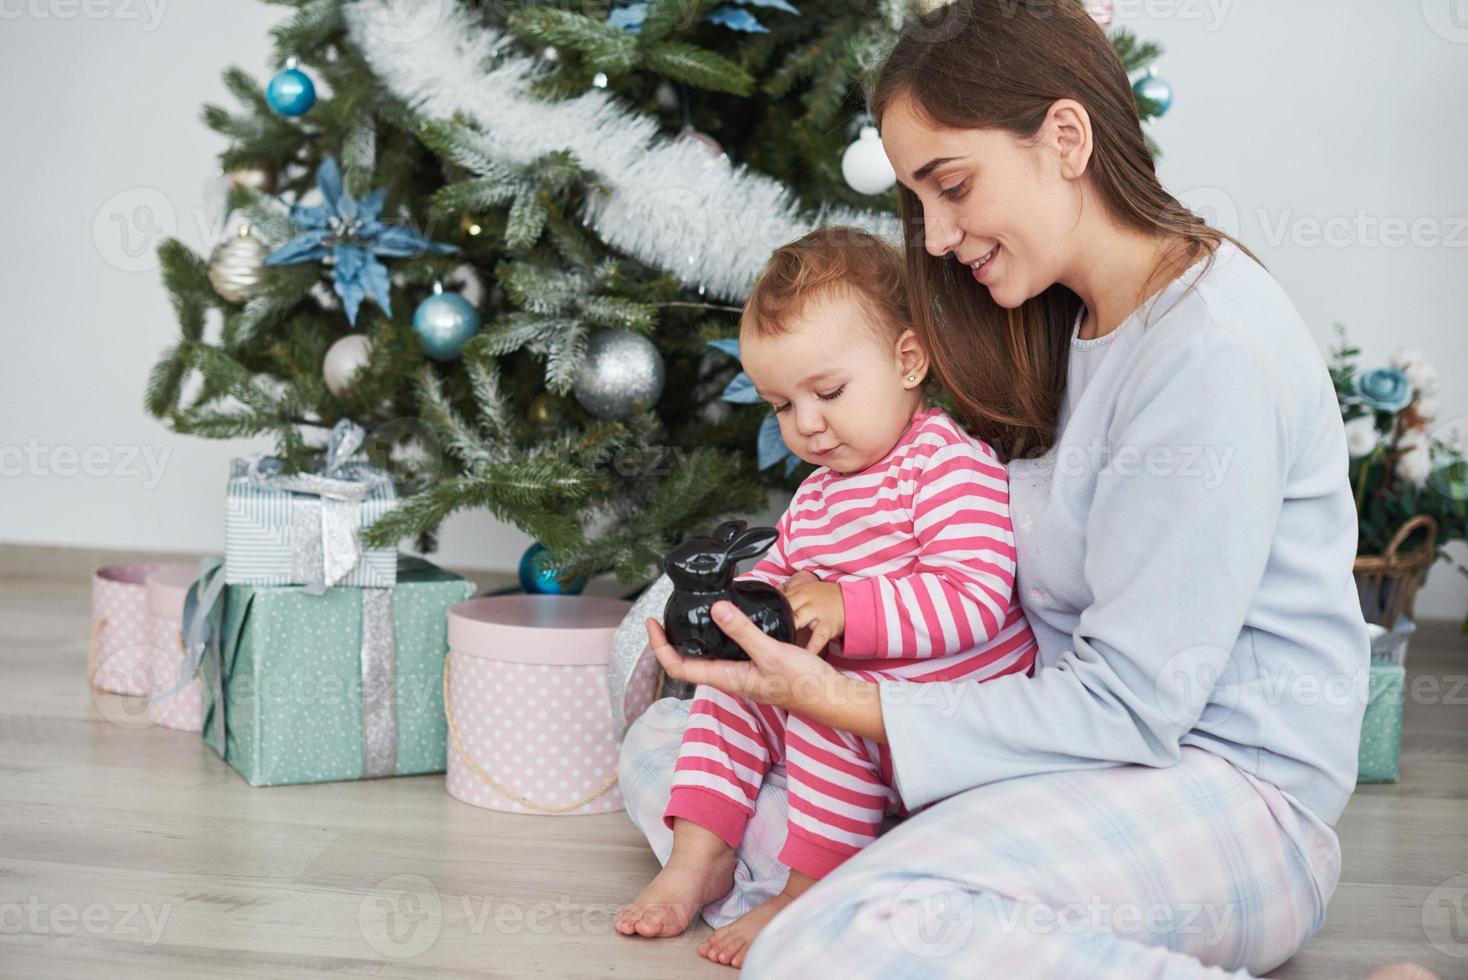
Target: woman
point(1158, 798)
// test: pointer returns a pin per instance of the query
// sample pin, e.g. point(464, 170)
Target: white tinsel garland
point(670, 203)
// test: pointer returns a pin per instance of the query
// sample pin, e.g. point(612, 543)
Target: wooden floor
point(139, 853)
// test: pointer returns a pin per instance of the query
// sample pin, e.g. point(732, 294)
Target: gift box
point(176, 697)
point(305, 688)
point(122, 628)
point(305, 528)
point(1380, 755)
point(525, 688)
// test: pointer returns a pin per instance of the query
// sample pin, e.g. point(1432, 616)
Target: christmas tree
point(534, 230)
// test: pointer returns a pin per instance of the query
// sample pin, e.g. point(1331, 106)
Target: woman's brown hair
point(1001, 64)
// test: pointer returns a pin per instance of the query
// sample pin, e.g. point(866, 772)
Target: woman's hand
point(779, 674)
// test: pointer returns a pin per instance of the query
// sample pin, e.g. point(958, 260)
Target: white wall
point(1352, 110)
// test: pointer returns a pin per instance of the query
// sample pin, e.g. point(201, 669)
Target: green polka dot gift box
point(348, 684)
point(1379, 759)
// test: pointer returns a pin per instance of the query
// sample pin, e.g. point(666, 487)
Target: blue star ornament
point(630, 15)
point(772, 448)
point(349, 233)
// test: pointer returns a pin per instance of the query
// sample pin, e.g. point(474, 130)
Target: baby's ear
point(753, 542)
point(912, 356)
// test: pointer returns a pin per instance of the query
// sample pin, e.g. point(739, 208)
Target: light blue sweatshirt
point(1185, 555)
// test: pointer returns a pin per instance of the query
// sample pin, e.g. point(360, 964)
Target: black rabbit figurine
point(702, 572)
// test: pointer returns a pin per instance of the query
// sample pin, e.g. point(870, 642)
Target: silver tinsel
point(237, 265)
point(379, 685)
point(629, 647)
point(621, 370)
point(663, 204)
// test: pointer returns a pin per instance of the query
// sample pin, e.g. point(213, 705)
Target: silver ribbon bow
point(326, 515)
point(203, 626)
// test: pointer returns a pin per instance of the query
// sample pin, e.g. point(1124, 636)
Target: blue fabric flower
point(349, 232)
point(1384, 389)
point(629, 16)
point(772, 448)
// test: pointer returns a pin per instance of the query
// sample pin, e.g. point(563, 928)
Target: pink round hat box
point(175, 702)
point(122, 627)
point(525, 693)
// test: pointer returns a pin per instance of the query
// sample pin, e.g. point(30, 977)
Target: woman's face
point(1003, 207)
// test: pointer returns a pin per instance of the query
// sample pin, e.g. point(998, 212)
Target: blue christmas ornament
point(771, 448)
point(1153, 93)
point(291, 92)
point(444, 322)
point(349, 232)
point(536, 579)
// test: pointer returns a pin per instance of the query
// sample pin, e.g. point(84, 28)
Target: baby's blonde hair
point(836, 260)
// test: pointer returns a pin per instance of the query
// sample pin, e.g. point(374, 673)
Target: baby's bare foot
point(670, 901)
point(729, 944)
point(1403, 971)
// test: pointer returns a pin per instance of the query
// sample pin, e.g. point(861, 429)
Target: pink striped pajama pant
point(840, 785)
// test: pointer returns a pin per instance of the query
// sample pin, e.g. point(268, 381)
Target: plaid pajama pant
point(1197, 870)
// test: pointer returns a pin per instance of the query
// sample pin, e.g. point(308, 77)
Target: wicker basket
point(1387, 583)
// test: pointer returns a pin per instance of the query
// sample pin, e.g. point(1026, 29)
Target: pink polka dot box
point(525, 693)
point(121, 645)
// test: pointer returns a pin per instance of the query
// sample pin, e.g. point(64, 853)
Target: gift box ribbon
point(204, 609)
point(326, 514)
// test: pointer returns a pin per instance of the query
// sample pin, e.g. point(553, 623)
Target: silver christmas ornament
point(621, 372)
point(237, 266)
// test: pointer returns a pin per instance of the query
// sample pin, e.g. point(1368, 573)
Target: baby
point(896, 554)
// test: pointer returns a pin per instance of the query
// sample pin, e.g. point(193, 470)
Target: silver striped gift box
point(278, 537)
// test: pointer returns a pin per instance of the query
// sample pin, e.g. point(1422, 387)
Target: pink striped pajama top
point(922, 547)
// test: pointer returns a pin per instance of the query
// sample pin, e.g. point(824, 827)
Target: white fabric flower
point(1361, 436)
point(1414, 466)
point(1429, 407)
point(1412, 439)
point(1408, 358)
point(1424, 379)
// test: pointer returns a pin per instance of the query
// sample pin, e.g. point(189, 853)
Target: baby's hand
point(818, 605)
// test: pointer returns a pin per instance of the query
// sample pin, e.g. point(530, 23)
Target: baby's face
point(836, 388)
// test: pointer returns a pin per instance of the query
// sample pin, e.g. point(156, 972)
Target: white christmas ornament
point(344, 359)
point(865, 165)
